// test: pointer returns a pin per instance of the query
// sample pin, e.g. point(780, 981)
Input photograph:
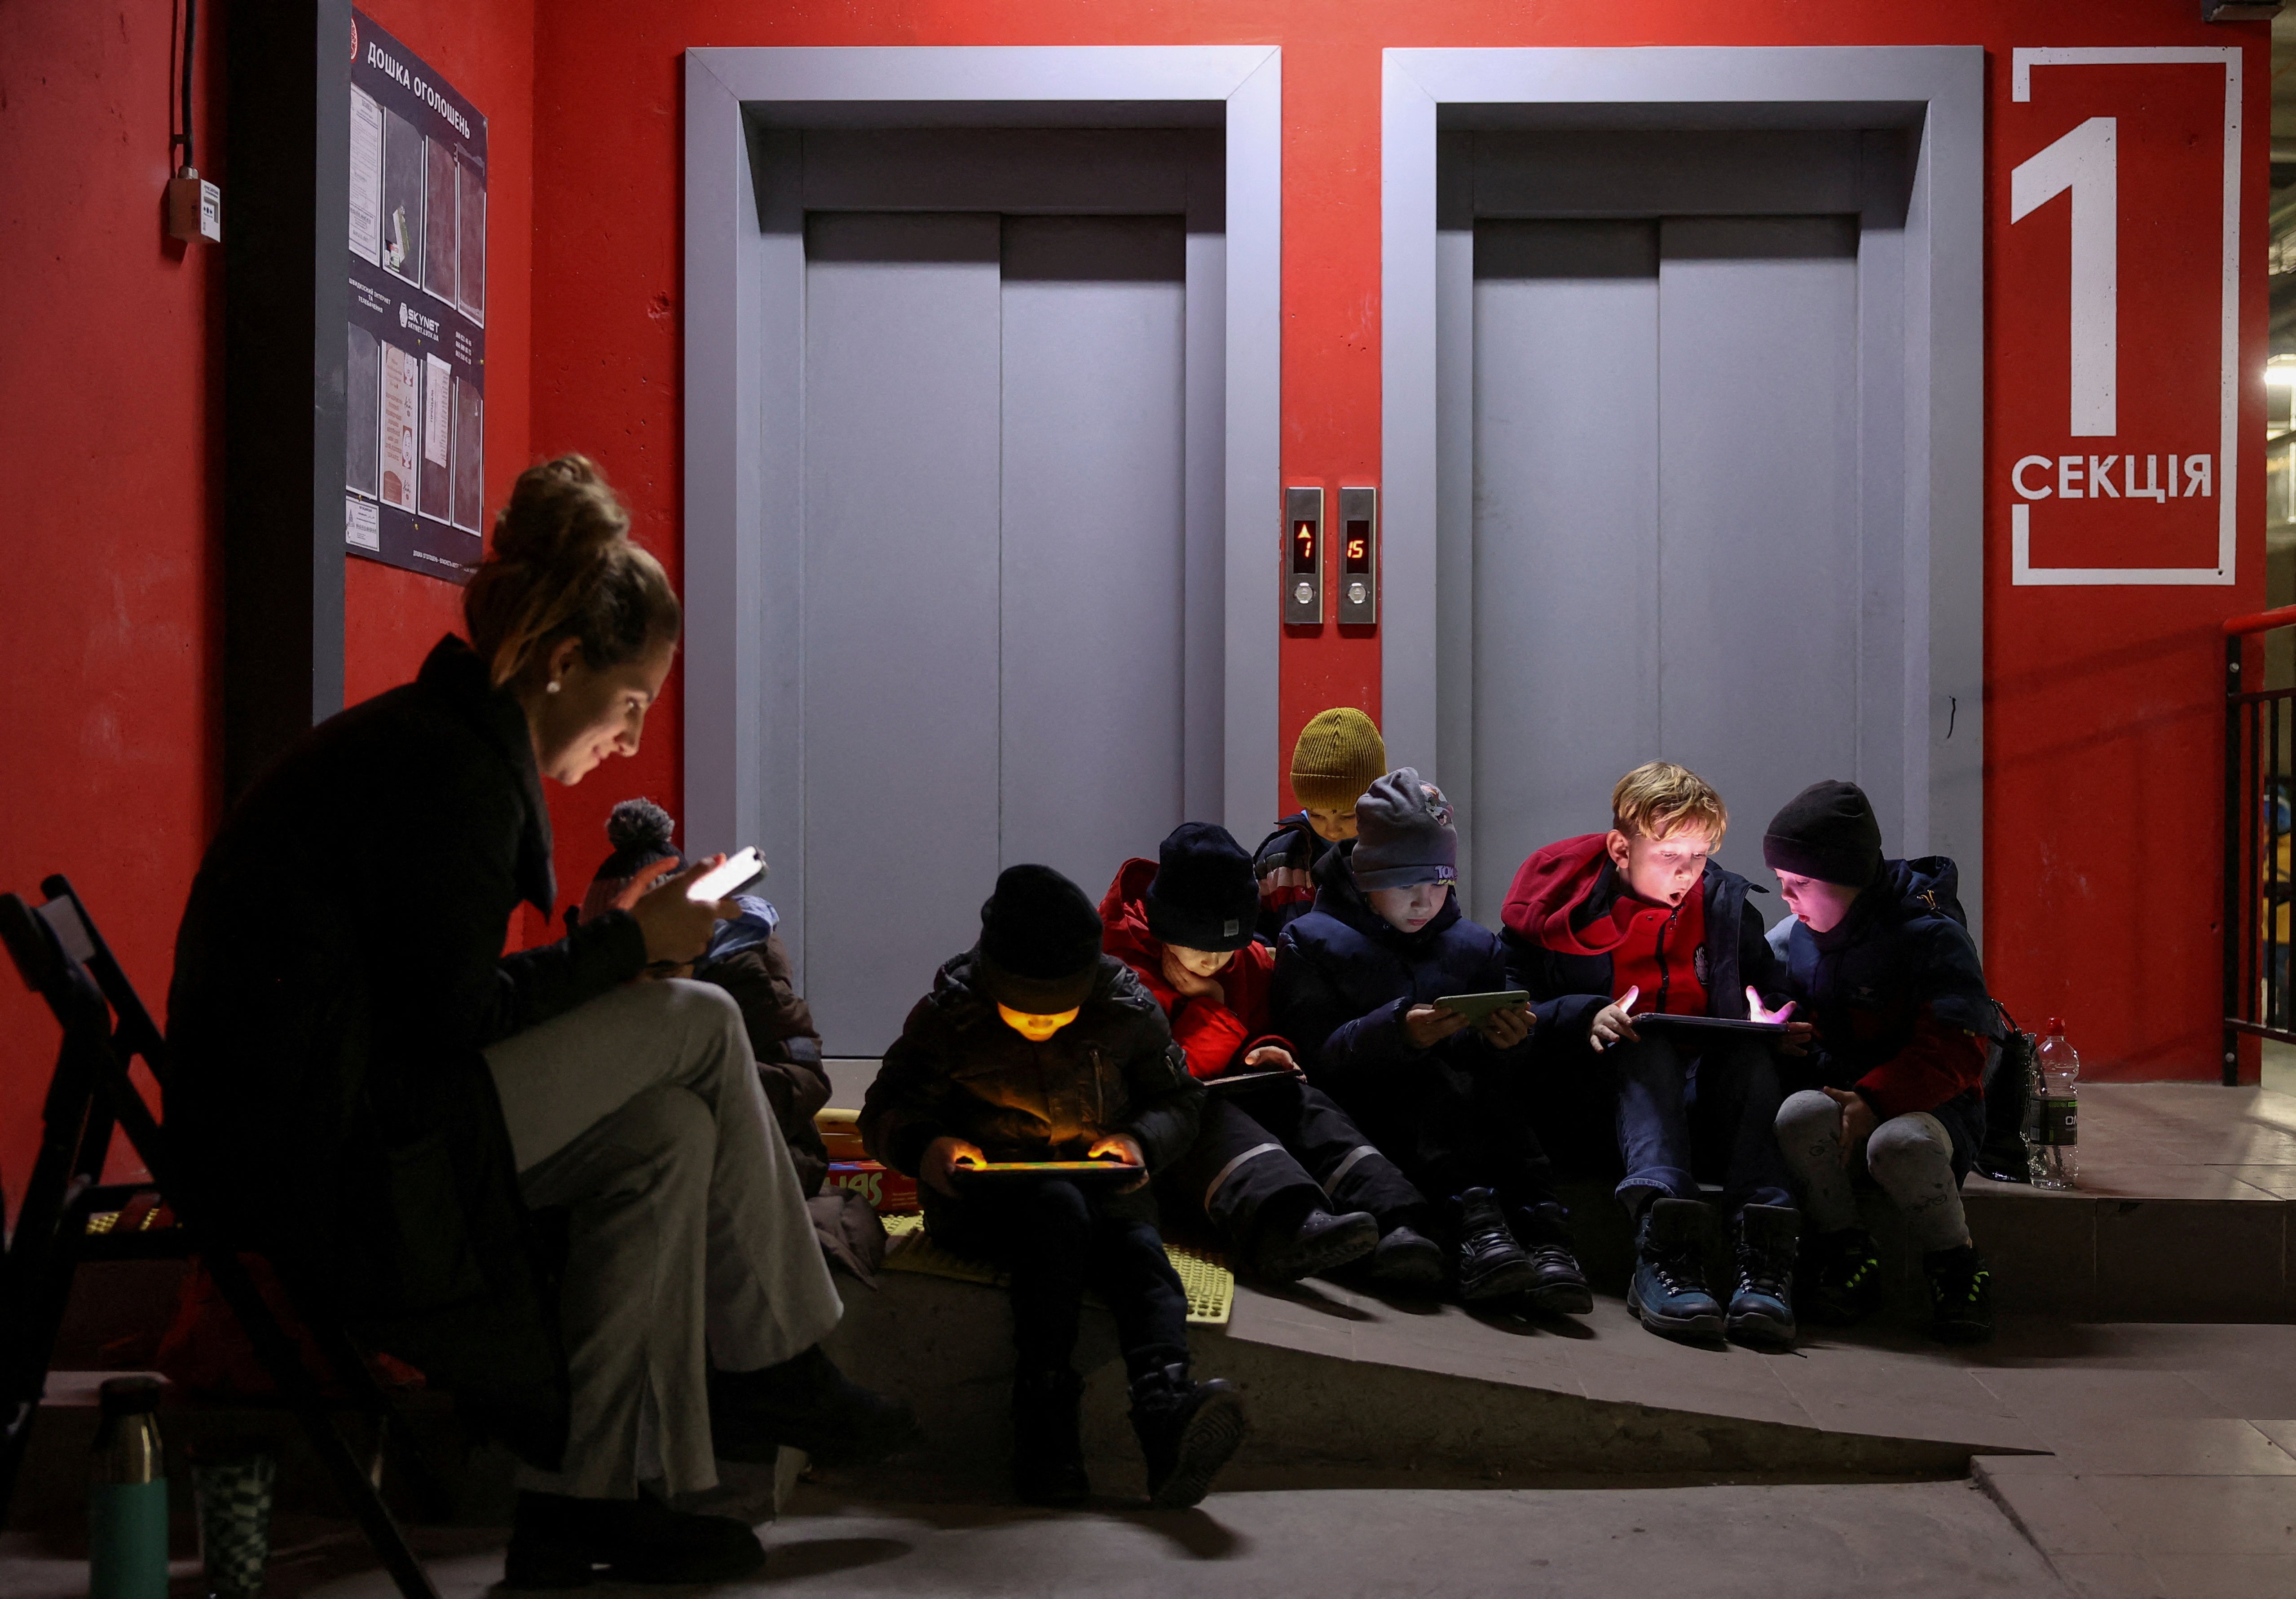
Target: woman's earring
point(551, 687)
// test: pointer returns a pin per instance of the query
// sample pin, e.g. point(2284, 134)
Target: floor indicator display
point(1303, 558)
point(1359, 555)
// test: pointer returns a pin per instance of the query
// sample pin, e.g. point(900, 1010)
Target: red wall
point(2102, 776)
point(2102, 783)
point(110, 444)
point(111, 438)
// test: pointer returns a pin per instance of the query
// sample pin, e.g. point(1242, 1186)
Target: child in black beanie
point(1035, 1045)
point(1879, 957)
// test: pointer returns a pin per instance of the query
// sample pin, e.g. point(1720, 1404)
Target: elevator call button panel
point(1359, 554)
point(1303, 555)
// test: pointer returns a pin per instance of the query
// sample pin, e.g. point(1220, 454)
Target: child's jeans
point(1910, 1156)
point(1715, 1110)
point(1058, 1240)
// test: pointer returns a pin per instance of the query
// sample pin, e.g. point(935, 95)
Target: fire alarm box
point(1359, 554)
point(1303, 555)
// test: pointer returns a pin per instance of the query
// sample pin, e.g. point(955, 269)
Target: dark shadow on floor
point(822, 1556)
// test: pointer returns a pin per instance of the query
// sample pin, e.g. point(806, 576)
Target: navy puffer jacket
point(1345, 976)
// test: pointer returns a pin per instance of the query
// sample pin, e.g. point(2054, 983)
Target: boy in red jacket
point(1274, 1161)
point(1621, 924)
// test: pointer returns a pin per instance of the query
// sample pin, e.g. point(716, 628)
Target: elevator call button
point(1359, 554)
point(1303, 555)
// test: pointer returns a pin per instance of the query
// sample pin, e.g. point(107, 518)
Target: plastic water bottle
point(128, 1495)
point(2054, 1145)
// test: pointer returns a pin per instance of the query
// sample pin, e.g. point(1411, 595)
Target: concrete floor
point(2162, 1463)
point(1917, 1540)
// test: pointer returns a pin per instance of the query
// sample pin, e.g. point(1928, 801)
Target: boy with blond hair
point(1639, 920)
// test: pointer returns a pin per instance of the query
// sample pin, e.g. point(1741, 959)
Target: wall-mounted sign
point(415, 406)
point(2116, 295)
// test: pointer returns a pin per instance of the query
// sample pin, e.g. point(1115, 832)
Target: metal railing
point(2258, 835)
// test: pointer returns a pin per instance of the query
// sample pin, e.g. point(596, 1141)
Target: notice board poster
point(415, 411)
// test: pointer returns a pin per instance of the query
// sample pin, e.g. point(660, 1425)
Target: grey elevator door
point(993, 577)
point(1665, 555)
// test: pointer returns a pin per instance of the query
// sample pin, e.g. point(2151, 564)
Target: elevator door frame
point(1934, 273)
point(743, 386)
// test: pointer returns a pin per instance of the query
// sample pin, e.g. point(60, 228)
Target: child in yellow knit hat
point(1340, 754)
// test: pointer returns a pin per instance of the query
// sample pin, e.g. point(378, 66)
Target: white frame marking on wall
point(2023, 571)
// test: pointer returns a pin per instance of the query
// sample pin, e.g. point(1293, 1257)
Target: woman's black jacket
point(339, 971)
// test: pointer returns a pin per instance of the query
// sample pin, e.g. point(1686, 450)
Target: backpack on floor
point(2010, 1075)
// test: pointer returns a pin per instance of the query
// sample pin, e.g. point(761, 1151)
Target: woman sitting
point(370, 1091)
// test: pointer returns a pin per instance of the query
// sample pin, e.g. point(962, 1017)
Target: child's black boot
point(1047, 1438)
point(1290, 1247)
point(1961, 1295)
point(1490, 1264)
point(1186, 1431)
point(1408, 1262)
point(1560, 1288)
point(1761, 1311)
point(1841, 1277)
point(1669, 1288)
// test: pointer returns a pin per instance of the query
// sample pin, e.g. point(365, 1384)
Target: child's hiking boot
point(1669, 1288)
point(806, 1403)
point(1841, 1277)
point(1288, 1251)
point(1561, 1288)
point(1961, 1295)
point(1761, 1310)
point(1489, 1263)
point(558, 1542)
point(1186, 1431)
point(1408, 1262)
point(1047, 1438)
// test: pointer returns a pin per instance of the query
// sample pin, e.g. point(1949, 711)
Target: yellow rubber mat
point(1209, 1286)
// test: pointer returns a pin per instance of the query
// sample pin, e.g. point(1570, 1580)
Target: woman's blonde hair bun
point(561, 565)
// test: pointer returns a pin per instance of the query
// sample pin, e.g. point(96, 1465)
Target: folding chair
point(64, 959)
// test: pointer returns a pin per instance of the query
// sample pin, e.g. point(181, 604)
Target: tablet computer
point(1667, 1023)
point(998, 1172)
point(1477, 1008)
point(1235, 1080)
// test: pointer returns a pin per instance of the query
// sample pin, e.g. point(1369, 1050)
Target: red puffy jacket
point(1215, 1036)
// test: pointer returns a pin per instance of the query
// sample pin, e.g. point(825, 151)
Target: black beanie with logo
point(1204, 895)
point(1039, 942)
point(1826, 831)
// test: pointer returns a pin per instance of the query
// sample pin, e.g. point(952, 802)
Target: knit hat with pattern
point(1404, 835)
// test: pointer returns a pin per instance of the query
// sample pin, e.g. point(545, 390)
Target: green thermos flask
point(128, 1495)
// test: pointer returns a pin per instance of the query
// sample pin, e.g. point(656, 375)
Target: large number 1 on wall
point(2084, 161)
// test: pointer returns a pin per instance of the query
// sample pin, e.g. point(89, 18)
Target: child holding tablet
point(1879, 954)
point(1035, 1045)
point(1614, 925)
point(1282, 1173)
point(1357, 982)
